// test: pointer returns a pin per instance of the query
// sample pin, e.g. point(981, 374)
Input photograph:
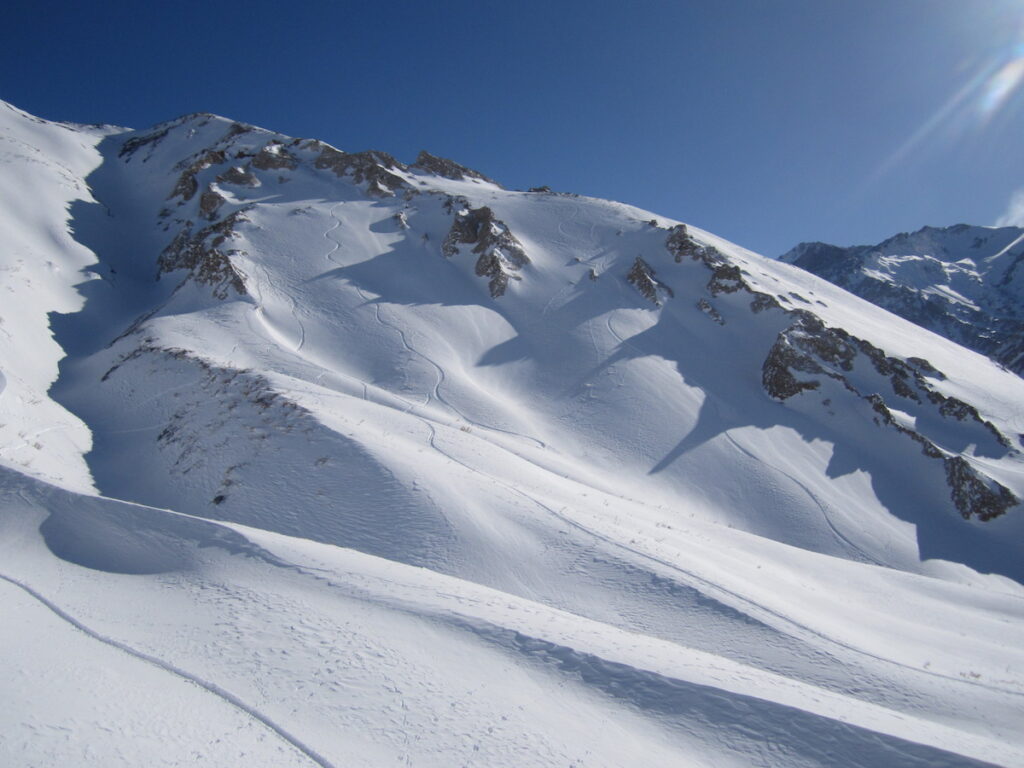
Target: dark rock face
point(962, 282)
point(725, 278)
point(501, 253)
point(681, 245)
point(371, 167)
point(274, 157)
point(811, 348)
point(709, 309)
point(972, 495)
point(203, 253)
point(187, 186)
point(777, 370)
point(209, 202)
point(239, 177)
point(642, 277)
point(448, 169)
point(762, 302)
point(808, 353)
point(159, 132)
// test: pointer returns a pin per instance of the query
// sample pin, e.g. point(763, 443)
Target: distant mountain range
point(963, 282)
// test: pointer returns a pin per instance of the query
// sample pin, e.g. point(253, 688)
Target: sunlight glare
point(1001, 85)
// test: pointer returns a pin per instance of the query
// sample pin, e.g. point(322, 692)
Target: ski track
point(412, 350)
point(226, 696)
point(864, 556)
point(745, 605)
point(698, 581)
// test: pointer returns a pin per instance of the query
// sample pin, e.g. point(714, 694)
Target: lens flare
point(973, 106)
point(1002, 85)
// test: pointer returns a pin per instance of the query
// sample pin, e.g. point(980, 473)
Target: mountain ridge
point(353, 440)
point(963, 282)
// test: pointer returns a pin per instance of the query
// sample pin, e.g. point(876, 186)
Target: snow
point(366, 514)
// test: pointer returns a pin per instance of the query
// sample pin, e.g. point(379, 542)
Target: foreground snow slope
point(422, 434)
point(226, 644)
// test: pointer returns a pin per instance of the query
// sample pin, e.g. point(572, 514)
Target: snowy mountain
point(965, 283)
point(320, 458)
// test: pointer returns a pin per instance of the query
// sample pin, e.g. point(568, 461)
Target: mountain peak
point(963, 282)
point(311, 447)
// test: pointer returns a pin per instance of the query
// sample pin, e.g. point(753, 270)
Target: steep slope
point(44, 168)
point(965, 283)
point(677, 496)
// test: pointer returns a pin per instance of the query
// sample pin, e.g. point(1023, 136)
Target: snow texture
point(318, 458)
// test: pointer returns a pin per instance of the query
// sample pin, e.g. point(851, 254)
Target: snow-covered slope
point(401, 467)
point(965, 283)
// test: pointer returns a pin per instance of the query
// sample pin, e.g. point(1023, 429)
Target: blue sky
point(767, 122)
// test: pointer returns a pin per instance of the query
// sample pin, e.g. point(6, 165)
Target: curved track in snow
point(226, 696)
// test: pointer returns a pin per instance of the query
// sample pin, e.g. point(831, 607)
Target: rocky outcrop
point(153, 137)
point(210, 202)
point(371, 168)
point(808, 353)
point(642, 276)
point(238, 176)
point(808, 350)
point(187, 186)
point(725, 276)
point(975, 495)
point(777, 371)
point(961, 282)
point(710, 310)
point(681, 245)
point(448, 169)
point(274, 156)
point(205, 255)
point(501, 255)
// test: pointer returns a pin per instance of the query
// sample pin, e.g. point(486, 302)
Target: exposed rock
point(762, 302)
point(726, 278)
point(807, 346)
point(203, 255)
point(274, 156)
point(134, 144)
point(642, 276)
point(187, 186)
point(159, 132)
point(961, 282)
point(708, 309)
point(928, 448)
point(236, 129)
point(238, 176)
point(952, 407)
point(680, 244)
point(777, 370)
point(209, 202)
point(373, 168)
point(501, 254)
point(925, 367)
point(974, 495)
point(544, 190)
point(448, 169)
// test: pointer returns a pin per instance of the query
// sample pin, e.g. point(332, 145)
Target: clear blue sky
point(765, 121)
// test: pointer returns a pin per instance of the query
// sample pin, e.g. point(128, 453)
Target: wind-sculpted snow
point(420, 649)
point(468, 475)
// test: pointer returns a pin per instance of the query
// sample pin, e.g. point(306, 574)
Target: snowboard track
point(226, 696)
